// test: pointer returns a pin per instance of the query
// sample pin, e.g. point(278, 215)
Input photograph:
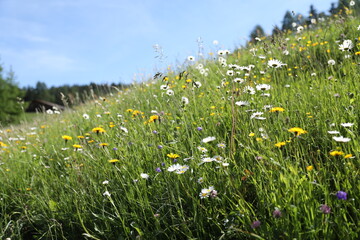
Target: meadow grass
point(260, 157)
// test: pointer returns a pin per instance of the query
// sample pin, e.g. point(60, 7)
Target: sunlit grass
point(239, 147)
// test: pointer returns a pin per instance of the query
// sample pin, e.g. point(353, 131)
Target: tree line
point(292, 20)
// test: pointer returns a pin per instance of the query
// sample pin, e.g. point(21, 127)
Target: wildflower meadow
point(257, 143)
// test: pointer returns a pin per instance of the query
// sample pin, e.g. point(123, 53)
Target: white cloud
point(39, 60)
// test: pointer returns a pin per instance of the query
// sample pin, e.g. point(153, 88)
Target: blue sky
point(103, 41)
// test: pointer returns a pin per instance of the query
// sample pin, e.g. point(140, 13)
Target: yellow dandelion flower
point(113, 160)
point(251, 134)
point(104, 144)
point(298, 131)
point(66, 137)
point(98, 130)
point(336, 153)
point(310, 168)
point(280, 144)
point(173, 155)
point(80, 137)
point(277, 109)
point(77, 146)
point(348, 155)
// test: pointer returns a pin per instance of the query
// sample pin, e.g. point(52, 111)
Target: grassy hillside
point(262, 143)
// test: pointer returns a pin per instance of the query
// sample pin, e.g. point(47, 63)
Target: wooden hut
point(41, 106)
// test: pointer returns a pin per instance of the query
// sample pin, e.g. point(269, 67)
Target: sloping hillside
point(259, 143)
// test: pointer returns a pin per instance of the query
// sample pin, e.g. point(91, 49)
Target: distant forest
point(12, 97)
point(73, 95)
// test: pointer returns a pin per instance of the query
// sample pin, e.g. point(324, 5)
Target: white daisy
point(170, 92)
point(242, 103)
point(331, 62)
point(342, 139)
point(164, 87)
point(263, 87)
point(208, 139)
point(347, 45)
point(185, 100)
point(347, 124)
point(249, 90)
point(274, 63)
point(144, 175)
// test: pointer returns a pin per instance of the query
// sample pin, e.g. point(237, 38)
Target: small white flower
point(199, 66)
point(313, 20)
point(207, 159)
point(197, 84)
point(347, 45)
point(352, 3)
point(249, 90)
point(294, 24)
point(230, 73)
point(208, 139)
point(342, 139)
point(242, 103)
point(333, 132)
point(274, 63)
point(221, 52)
point(86, 116)
point(263, 87)
point(144, 175)
point(49, 111)
point(200, 180)
point(170, 92)
point(331, 62)
point(205, 192)
point(221, 145)
point(185, 100)
point(239, 80)
point(124, 129)
point(347, 124)
point(202, 149)
point(164, 87)
point(106, 194)
point(225, 164)
point(174, 167)
point(105, 182)
point(299, 29)
point(190, 58)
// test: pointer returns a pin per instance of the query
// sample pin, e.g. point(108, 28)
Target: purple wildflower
point(199, 128)
point(155, 132)
point(158, 169)
point(341, 195)
point(325, 209)
point(255, 224)
point(277, 213)
point(213, 194)
point(159, 146)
